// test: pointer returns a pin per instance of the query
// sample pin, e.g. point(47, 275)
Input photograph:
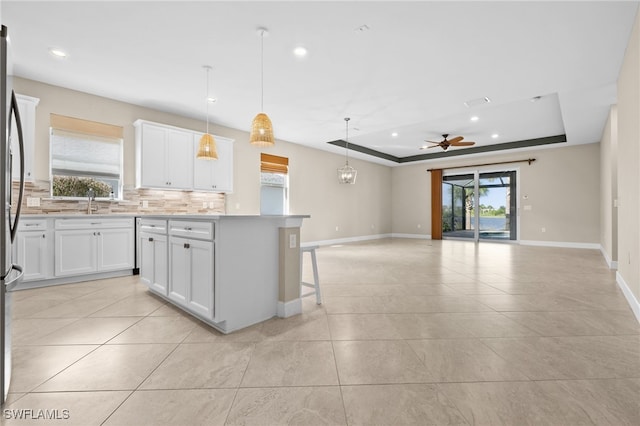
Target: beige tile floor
point(410, 332)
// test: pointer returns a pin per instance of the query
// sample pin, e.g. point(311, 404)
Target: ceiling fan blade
point(465, 143)
point(455, 140)
point(432, 142)
point(434, 146)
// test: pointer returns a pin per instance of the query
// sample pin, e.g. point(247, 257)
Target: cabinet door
point(200, 291)
point(215, 175)
point(27, 107)
point(160, 267)
point(153, 156)
point(34, 255)
point(223, 170)
point(179, 273)
point(75, 252)
point(153, 261)
point(115, 249)
point(179, 162)
point(147, 258)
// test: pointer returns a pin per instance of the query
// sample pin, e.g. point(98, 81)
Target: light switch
point(33, 202)
point(292, 241)
point(527, 207)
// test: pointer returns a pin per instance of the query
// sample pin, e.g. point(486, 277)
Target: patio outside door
point(480, 206)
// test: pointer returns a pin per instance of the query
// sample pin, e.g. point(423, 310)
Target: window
point(274, 185)
point(85, 155)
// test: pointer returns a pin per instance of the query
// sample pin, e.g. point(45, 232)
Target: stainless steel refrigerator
point(10, 274)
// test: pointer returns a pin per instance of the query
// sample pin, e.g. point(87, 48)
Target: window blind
point(274, 164)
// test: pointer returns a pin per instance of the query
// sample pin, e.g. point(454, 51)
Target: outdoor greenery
point(73, 186)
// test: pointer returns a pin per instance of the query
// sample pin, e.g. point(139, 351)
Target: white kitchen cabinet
point(153, 261)
point(34, 249)
point(215, 175)
point(27, 107)
point(87, 246)
point(191, 266)
point(114, 249)
point(75, 252)
point(164, 156)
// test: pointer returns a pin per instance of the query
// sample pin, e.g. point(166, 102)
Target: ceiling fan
point(444, 144)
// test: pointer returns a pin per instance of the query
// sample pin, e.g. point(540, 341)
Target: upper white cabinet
point(27, 107)
point(214, 175)
point(165, 158)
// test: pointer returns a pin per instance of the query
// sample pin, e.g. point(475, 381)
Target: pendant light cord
point(346, 146)
point(206, 98)
point(262, 71)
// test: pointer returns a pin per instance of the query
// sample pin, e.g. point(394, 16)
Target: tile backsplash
point(159, 201)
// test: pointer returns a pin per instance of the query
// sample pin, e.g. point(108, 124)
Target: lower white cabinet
point(97, 246)
point(191, 274)
point(34, 252)
point(76, 252)
point(153, 261)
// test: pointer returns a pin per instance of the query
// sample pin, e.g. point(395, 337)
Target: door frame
point(476, 219)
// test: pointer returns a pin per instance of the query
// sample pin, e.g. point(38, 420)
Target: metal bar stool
point(316, 281)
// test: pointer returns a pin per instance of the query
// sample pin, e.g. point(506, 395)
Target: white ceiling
point(411, 72)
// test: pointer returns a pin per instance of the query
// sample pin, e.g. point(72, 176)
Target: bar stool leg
point(316, 279)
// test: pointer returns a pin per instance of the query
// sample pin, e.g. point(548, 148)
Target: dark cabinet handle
point(187, 245)
point(150, 239)
point(43, 235)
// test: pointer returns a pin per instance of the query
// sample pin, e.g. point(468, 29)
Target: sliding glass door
point(479, 206)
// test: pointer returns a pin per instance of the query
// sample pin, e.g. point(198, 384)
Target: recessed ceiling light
point(475, 118)
point(394, 134)
point(300, 52)
point(495, 136)
point(58, 53)
point(211, 100)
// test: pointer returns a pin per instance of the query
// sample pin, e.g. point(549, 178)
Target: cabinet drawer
point(156, 226)
point(32, 225)
point(189, 229)
point(102, 223)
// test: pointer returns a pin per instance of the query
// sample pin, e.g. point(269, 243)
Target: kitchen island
point(228, 271)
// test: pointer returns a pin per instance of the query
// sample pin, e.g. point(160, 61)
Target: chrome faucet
point(92, 197)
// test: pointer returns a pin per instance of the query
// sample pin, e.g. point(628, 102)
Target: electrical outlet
point(33, 202)
point(373, 227)
point(543, 229)
point(145, 204)
point(419, 226)
point(337, 228)
point(204, 204)
point(210, 204)
point(292, 241)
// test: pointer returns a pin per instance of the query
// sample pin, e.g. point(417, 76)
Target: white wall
point(629, 167)
point(562, 186)
point(609, 189)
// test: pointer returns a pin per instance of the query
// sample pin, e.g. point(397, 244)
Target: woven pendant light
point(261, 128)
point(207, 146)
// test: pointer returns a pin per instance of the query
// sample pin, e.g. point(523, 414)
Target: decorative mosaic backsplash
point(159, 201)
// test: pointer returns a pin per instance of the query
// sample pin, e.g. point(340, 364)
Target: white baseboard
point(631, 298)
point(290, 308)
point(416, 236)
point(612, 263)
point(593, 246)
point(346, 240)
